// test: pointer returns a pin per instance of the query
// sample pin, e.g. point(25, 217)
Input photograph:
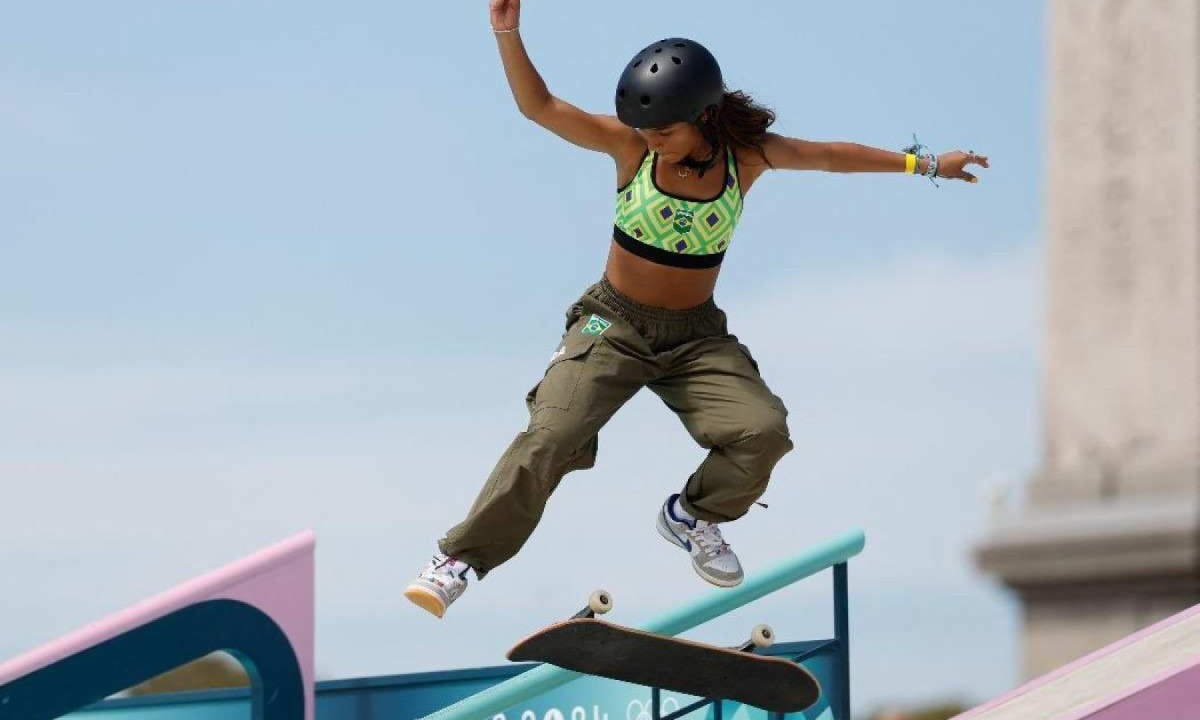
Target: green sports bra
point(675, 231)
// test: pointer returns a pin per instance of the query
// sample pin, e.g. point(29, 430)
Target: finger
point(972, 157)
point(964, 175)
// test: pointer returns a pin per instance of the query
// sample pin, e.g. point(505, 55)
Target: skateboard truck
point(599, 603)
point(762, 636)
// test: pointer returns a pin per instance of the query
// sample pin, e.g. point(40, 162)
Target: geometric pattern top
point(672, 230)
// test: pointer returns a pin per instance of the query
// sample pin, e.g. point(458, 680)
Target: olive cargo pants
point(612, 348)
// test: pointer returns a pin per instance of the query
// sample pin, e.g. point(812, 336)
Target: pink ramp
point(1150, 675)
point(260, 608)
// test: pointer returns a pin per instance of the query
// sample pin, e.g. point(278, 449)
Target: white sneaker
point(439, 584)
point(712, 558)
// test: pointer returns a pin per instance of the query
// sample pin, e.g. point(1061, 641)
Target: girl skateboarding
point(686, 152)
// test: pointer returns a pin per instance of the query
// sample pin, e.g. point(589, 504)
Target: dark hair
point(739, 123)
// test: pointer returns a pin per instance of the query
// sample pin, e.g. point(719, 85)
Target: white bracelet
point(510, 30)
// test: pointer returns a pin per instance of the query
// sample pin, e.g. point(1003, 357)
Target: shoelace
point(443, 566)
point(708, 536)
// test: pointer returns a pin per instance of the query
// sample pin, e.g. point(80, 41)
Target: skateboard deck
point(597, 647)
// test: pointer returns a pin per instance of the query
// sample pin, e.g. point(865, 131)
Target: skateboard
point(586, 644)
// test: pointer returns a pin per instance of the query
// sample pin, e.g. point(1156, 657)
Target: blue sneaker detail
point(712, 558)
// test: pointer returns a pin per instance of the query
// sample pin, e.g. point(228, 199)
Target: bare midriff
point(657, 285)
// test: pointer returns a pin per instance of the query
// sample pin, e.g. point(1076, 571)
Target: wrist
point(506, 31)
point(919, 161)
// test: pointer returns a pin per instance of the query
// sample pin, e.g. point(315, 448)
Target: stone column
point(1106, 538)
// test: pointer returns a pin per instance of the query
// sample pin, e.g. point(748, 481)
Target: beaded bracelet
point(931, 166)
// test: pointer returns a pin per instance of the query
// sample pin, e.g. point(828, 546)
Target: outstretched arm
point(602, 133)
point(786, 153)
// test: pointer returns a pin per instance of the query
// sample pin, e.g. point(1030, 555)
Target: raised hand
point(506, 14)
point(952, 165)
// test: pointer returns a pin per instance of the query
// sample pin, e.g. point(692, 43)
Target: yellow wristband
point(910, 163)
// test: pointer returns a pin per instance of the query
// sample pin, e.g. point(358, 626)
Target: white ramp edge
point(1153, 674)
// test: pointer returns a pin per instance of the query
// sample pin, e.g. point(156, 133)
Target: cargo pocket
point(774, 400)
point(565, 371)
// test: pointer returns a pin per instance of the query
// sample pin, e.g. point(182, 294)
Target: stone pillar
point(1106, 539)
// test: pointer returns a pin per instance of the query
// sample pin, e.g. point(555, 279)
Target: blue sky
point(280, 266)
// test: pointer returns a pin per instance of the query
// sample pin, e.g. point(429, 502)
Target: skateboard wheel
point(600, 602)
point(762, 636)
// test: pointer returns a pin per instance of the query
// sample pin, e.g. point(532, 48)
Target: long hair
point(740, 122)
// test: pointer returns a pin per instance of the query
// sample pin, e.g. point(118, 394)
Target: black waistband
point(631, 309)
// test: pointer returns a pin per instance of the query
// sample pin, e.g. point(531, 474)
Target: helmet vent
point(676, 60)
point(654, 68)
point(645, 100)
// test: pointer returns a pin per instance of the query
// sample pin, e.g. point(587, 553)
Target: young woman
point(687, 151)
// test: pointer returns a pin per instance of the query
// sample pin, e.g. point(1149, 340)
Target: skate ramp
point(1152, 674)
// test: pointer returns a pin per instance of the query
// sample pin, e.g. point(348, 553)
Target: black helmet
point(672, 80)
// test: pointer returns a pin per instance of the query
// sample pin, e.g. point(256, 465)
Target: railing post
point(841, 634)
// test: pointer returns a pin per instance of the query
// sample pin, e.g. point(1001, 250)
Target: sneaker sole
point(669, 536)
point(714, 580)
point(426, 600)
